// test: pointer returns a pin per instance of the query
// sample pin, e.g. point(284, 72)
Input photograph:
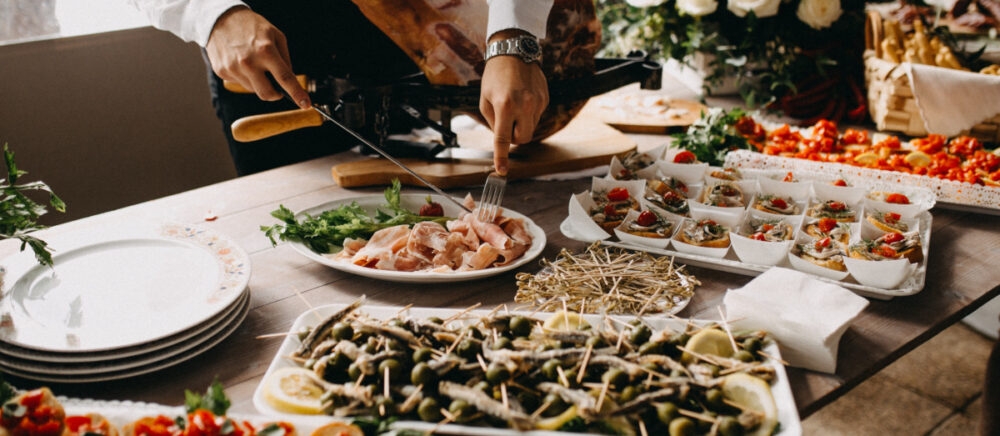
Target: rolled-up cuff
point(528, 15)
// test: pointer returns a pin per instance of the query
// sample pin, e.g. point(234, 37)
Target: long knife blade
point(386, 155)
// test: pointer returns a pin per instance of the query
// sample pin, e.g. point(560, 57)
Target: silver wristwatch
point(525, 47)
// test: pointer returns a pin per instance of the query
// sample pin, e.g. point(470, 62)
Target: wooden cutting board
point(584, 143)
point(634, 110)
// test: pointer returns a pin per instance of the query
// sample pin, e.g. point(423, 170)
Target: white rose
point(697, 8)
point(645, 3)
point(819, 14)
point(760, 8)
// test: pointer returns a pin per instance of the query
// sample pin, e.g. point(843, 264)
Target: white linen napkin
point(952, 101)
point(805, 315)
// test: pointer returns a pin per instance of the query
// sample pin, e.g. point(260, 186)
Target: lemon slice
point(752, 393)
point(708, 341)
point(338, 429)
point(866, 158)
point(565, 321)
point(918, 159)
point(295, 390)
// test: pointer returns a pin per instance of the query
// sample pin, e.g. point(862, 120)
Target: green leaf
point(214, 400)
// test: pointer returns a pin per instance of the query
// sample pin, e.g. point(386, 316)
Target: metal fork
point(489, 203)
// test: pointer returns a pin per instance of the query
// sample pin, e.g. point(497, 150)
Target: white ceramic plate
point(413, 202)
point(788, 415)
point(98, 375)
point(124, 292)
point(64, 364)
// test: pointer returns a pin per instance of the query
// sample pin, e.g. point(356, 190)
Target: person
point(245, 41)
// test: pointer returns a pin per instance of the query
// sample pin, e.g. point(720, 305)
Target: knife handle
point(304, 81)
point(262, 126)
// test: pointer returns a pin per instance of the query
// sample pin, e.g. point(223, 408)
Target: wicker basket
point(890, 96)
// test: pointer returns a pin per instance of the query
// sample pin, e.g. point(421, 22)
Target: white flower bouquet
point(773, 49)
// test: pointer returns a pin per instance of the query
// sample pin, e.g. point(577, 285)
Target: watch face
point(529, 47)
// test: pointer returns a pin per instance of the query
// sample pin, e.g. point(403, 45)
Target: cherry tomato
point(823, 243)
point(826, 225)
point(789, 177)
point(779, 203)
point(646, 218)
point(759, 236)
point(891, 217)
point(618, 194)
point(897, 198)
point(431, 209)
point(890, 238)
point(767, 227)
point(836, 206)
point(840, 182)
point(886, 251)
point(685, 156)
point(609, 210)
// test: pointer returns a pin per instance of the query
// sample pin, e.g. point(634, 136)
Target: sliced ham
point(463, 244)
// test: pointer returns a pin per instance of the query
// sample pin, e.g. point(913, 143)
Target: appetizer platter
point(747, 221)
point(468, 372)
point(416, 238)
point(40, 412)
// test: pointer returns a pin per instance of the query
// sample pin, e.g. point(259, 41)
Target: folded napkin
point(952, 101)
point(806, 316)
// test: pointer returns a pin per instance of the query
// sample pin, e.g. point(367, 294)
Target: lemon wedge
point(752, 393)
point(918, 159)
point(708, 341)
point(295, 390)
point(866, 158)
point(564, 320)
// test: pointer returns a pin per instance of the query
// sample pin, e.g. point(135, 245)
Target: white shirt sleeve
point(528, 15)
point(190, 20)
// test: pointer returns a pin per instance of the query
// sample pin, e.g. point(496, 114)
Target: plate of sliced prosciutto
point(456, 247)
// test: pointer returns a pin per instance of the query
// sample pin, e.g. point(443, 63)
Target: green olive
point(461, 409)
point(681, 426)
point(628, 394)
point(743, 356)
point(385, 406)
point(354, 371)
point(435, 320)
point(651, 348)
point(615, 377)
point(468, 349)
point(640, 334)
point(423, 374)
point(730, 426)
point(422, 354)
point(520, 327)
point(666, 412)
point(713, 399)
point(392, 366)
point(429, 410)
point(550, 369)
point(752, 345)
point(342, 331)
point(484, 386)
point(503, 343)
point(596, 341)
point(556, 405)
point(497, 374)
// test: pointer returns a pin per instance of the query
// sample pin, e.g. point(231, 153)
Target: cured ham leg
point(446, 39)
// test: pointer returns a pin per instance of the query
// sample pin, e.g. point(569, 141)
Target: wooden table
point(962, 275)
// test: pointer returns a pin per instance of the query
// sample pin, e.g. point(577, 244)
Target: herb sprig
point(326, 232)
point(712, 136)
point(19, 214)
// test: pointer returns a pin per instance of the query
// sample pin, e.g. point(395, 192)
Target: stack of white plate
point(121, 305)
